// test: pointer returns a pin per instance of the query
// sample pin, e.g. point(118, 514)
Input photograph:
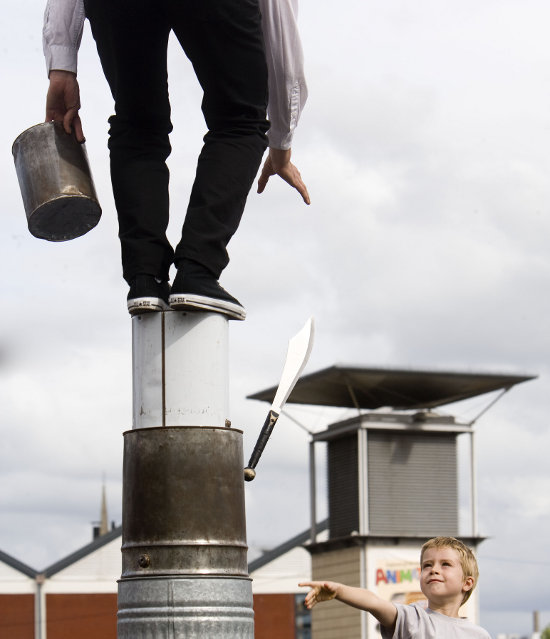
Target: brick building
point(77, 596)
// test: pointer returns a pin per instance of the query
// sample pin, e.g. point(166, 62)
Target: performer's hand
point(63, 102)
point(320, 591)
point(278, 163)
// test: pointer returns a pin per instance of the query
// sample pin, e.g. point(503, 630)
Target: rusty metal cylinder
point(56, 183)
point(183, 502)
point(184, 552)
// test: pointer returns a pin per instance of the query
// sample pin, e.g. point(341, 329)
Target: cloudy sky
point(425, 147)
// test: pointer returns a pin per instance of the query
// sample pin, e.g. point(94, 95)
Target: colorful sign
point(398, 581)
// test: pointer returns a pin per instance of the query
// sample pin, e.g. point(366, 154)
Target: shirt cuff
point(61, 58)
point(279, 140)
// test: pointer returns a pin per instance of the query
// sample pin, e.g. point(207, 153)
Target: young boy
point(448, 575)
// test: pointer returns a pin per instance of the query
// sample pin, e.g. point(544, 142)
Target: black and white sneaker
point(201, 291)
point(148, 295)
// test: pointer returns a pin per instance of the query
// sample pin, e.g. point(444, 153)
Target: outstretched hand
point(278, 163)
point(320, 591)
point(63, 102)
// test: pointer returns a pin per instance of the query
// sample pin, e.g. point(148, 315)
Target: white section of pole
point(180, 369)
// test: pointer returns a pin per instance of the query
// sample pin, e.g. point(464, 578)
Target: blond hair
point(465, 555)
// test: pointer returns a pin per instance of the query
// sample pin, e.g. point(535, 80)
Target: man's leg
point(131, 39)
point(223, 39)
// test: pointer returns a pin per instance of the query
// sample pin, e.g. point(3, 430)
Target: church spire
point(103, 525)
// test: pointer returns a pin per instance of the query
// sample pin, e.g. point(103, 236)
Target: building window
point(303, 618)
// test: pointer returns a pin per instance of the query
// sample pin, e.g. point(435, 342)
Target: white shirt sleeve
point(62, 33)
point(287, 84)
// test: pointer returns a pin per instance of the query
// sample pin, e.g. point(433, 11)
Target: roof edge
point(94, 545)
point(338, 543)
point(278, 551)
point(14, 563)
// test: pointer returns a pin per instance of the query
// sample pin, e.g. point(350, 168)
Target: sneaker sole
point(184, 302)
point(142, 305)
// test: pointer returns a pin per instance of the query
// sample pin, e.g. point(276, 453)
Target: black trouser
point(223, 40)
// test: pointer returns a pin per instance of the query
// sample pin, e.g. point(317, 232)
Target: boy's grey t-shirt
point(417, 622)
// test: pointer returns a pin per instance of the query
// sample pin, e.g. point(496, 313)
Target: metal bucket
point(56, 183)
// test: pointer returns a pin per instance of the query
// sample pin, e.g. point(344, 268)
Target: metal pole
point(362, 446)
point(473, 483)
point(312, 492)
point(184, 564)
point(40, 608)
point(362, 453)
point(363, 584)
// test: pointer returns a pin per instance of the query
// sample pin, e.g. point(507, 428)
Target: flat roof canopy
point(371, 388)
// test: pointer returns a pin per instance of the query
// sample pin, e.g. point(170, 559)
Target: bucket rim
point(49, 123)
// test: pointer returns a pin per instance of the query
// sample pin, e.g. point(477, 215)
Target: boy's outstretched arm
point(383, 610)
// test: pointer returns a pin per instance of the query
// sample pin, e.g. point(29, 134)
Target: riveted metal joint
point(144, 561)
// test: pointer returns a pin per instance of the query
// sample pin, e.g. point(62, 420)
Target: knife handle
point(263, 438)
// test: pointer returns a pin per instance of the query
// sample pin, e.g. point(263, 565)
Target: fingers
point(71, 122)
point(288, 172)
point(291, 175)
point(68, 120)
point(79, 133)
point(297, 182)
point(266, 173)
point(320, 591)
point(309, 584)
point(313, 597)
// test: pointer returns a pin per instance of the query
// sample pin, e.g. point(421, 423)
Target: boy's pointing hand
point(320, 591)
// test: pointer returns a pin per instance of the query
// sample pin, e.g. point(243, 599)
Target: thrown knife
point(299, 349)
